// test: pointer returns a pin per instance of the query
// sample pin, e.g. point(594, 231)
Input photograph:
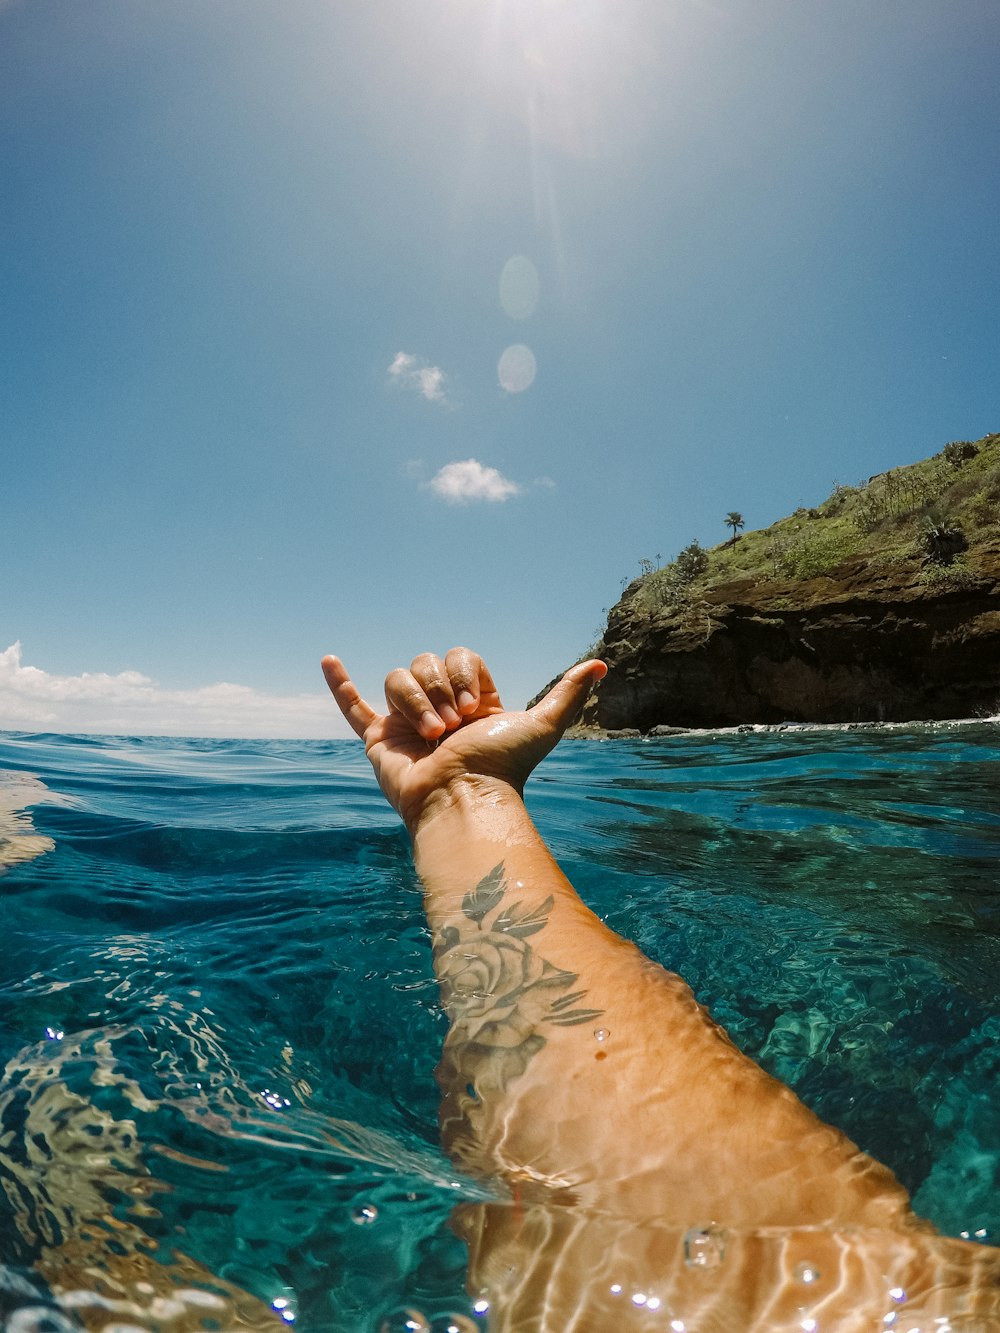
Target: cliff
point(883, 604)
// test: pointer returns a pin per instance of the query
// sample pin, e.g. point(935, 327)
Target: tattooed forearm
point(499, 992)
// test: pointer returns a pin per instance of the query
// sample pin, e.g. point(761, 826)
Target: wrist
point(473, 801)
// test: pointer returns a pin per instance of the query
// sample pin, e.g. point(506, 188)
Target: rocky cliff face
point(862, 643)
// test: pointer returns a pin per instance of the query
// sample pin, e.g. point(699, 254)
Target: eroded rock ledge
point(859, 644)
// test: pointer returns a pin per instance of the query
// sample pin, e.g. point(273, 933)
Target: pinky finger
point(359, 714)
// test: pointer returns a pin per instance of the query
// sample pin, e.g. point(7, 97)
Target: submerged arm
point(573, 1065)
point(574, 1062)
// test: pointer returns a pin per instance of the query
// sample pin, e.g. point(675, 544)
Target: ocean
point(219, 1021)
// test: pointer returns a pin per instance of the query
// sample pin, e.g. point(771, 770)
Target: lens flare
point(517, 369)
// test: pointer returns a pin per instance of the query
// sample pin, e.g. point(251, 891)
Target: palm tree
point(735, 521)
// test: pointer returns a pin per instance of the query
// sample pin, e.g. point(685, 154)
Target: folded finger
point(430, 672)
point(471, 682)
point(359, 714)
point(405, 695)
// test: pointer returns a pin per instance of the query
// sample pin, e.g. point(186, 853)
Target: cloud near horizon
point(131, 704)
point(459, 483)
point(415, 373)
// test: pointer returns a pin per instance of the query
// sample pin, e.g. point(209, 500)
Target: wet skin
point(593, 1086)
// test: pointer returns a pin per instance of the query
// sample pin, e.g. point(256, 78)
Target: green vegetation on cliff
point(935, 513)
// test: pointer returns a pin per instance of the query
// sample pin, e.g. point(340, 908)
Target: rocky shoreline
point(583, 732)
point(857, 645)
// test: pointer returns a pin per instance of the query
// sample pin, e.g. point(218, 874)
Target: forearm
point(481, 824)
point(574, 1061)
point(524, 969)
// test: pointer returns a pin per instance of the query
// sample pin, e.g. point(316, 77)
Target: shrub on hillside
point(941, 539)
point(808, 556)
point(895, 493)
point(983, 509)
point(959, 452)
point(670, 587)
point(957, 577)
point(692, 561)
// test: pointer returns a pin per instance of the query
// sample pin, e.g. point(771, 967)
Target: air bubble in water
point(453, 1323)
point(705, 1247)
point(807, 1273)
point(405, 1320)
point(601, 1034)
point(364, 1214)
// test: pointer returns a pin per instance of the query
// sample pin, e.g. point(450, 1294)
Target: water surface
point(219, 1021)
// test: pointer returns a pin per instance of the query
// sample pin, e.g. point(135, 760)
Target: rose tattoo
point(498, 992)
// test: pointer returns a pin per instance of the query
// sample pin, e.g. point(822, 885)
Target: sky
point(381, 328)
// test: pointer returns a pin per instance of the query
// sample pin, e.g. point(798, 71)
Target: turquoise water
point(219, 1021)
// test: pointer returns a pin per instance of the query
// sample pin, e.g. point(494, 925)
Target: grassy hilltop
point(937, 512)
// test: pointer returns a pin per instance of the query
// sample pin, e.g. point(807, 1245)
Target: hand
point(445, 725)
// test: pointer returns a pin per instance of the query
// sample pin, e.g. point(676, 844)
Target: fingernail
point(448, 715)
point(430, 722)
point(465, 701)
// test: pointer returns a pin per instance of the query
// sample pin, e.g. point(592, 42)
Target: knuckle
point(460, 667)
point(430, 672)
point(403, 691)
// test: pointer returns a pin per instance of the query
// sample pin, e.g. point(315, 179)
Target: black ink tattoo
point(498, 992)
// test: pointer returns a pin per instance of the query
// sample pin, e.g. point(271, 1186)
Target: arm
point(574, 1067)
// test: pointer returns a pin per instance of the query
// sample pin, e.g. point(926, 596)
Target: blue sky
point(253, 406)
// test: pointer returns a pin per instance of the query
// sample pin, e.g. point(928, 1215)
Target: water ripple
point(219, 1018)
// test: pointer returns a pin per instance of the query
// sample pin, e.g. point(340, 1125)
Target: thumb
point(562, 703)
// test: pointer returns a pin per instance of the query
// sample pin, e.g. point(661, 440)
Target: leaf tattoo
point(527, 922)
point(485, 896)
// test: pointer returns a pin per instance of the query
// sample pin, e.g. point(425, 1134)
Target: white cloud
point(402, 364)
point(130, 703)
point(415, 373)
point(470, 480)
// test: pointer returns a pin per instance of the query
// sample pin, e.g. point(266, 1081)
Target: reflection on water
point(219, 1021)
point(603, 1274)
point(18, 839)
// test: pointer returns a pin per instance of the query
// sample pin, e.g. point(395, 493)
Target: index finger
point(359, 714)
